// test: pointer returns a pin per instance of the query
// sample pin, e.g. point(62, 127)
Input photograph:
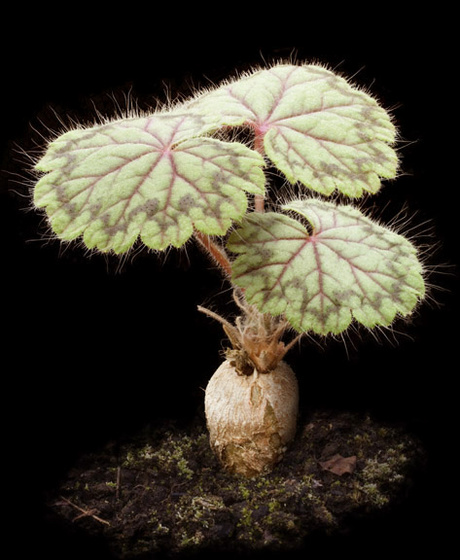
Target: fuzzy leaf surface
point(316, 128)
point(152, 177)
point(320, 275)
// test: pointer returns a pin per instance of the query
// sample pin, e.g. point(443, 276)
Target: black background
point(95, 349)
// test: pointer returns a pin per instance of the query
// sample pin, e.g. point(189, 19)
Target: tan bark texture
point(251, 418)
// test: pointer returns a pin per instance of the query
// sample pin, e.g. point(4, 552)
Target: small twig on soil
point(85, 512)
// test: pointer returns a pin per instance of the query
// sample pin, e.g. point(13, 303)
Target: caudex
point(198, 170)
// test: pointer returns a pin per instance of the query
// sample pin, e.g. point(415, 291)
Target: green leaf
point(152, 177)
point(320, 275)
point(316, 128)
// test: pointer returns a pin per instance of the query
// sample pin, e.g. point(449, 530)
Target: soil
point(162, 493)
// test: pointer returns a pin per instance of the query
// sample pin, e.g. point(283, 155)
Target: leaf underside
point(152, 177)
point(316, 128)
point(321, 275)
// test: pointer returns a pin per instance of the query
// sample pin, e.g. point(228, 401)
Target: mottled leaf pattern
point(341, 265)
point(316, 128)
point(152, 177)
point(162, 177)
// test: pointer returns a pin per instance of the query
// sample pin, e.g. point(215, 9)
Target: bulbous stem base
point(251, 418)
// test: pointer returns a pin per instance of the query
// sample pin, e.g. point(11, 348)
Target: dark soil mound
point(163, 493)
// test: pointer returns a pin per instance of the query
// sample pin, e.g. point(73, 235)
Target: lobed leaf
point(341, 265)
point(316, 128)
point(152, 177)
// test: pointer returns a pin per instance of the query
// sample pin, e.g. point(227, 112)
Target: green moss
point(245, 492)
point(170, 456)
point(246, 518)
point(274, 505)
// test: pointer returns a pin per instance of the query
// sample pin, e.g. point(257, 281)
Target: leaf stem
point(217, 253)
point(259, 203)
point(259, 133)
